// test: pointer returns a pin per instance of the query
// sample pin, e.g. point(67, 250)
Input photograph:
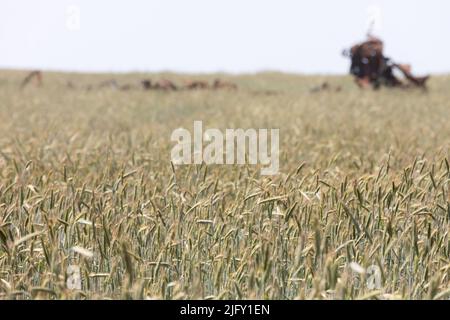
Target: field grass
point(86, 180)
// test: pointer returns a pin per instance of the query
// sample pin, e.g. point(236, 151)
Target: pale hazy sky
point(303, 36)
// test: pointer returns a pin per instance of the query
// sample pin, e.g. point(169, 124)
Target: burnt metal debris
point(371, 68)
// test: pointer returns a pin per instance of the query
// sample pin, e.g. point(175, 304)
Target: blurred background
point(218, 36)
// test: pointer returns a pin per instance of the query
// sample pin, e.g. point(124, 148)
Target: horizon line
point(184, 72)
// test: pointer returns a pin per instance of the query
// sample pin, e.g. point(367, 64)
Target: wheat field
point(86, 181)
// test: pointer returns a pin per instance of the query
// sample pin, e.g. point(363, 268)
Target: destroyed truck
point(371, 68)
